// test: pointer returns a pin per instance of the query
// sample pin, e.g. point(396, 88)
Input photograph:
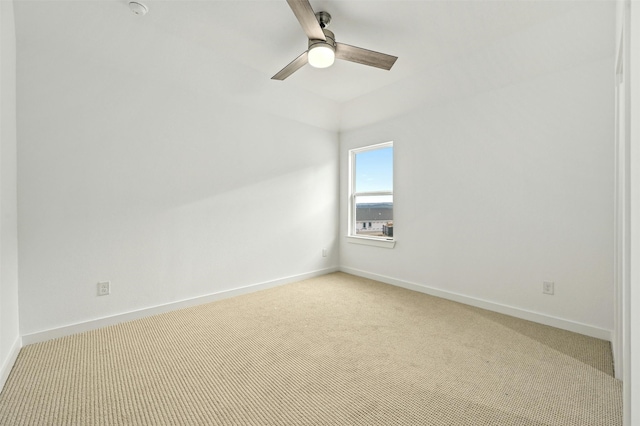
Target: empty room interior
point(196, 226)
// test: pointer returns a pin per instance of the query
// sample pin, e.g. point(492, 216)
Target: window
point(371, 194)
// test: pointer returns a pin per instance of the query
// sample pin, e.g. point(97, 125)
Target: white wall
point(9, 331)
point(497, 192)
point(166, 189)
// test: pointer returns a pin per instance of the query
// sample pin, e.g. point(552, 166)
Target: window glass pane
point(374, 170)
point(374, 215)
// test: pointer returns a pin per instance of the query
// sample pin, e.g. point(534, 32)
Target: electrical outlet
point(324, 252)
point(547, 287)
point(104, 288)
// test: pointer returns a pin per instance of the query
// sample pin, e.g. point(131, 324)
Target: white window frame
point(352, 237)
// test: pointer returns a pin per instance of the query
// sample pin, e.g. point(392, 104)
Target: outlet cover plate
point(104, 288)
point(548, 287)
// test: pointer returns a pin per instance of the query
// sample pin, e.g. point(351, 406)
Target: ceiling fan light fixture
point(321, 55)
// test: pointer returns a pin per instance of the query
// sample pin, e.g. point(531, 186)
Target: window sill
point(375, 242)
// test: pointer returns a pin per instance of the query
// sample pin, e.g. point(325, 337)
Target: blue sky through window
point(374, 170)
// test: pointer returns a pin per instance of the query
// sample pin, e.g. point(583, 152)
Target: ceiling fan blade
point(364, 56)
point(294, 66)
point(307, 18)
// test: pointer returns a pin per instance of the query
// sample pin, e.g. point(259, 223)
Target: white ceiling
point(234, 47)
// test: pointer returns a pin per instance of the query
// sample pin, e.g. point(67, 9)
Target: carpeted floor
point(333, 350)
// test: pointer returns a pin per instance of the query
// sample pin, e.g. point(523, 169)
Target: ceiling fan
point(323, 48)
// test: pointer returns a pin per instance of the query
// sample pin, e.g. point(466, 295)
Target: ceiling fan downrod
point(324, 19)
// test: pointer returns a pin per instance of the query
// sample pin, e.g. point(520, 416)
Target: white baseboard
point(9, 362)
point(537, 317)
point(68, 330)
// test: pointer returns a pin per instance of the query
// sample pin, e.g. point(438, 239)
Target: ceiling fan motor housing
point(331, 40)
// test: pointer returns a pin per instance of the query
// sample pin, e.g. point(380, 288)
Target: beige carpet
point(334, 350)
